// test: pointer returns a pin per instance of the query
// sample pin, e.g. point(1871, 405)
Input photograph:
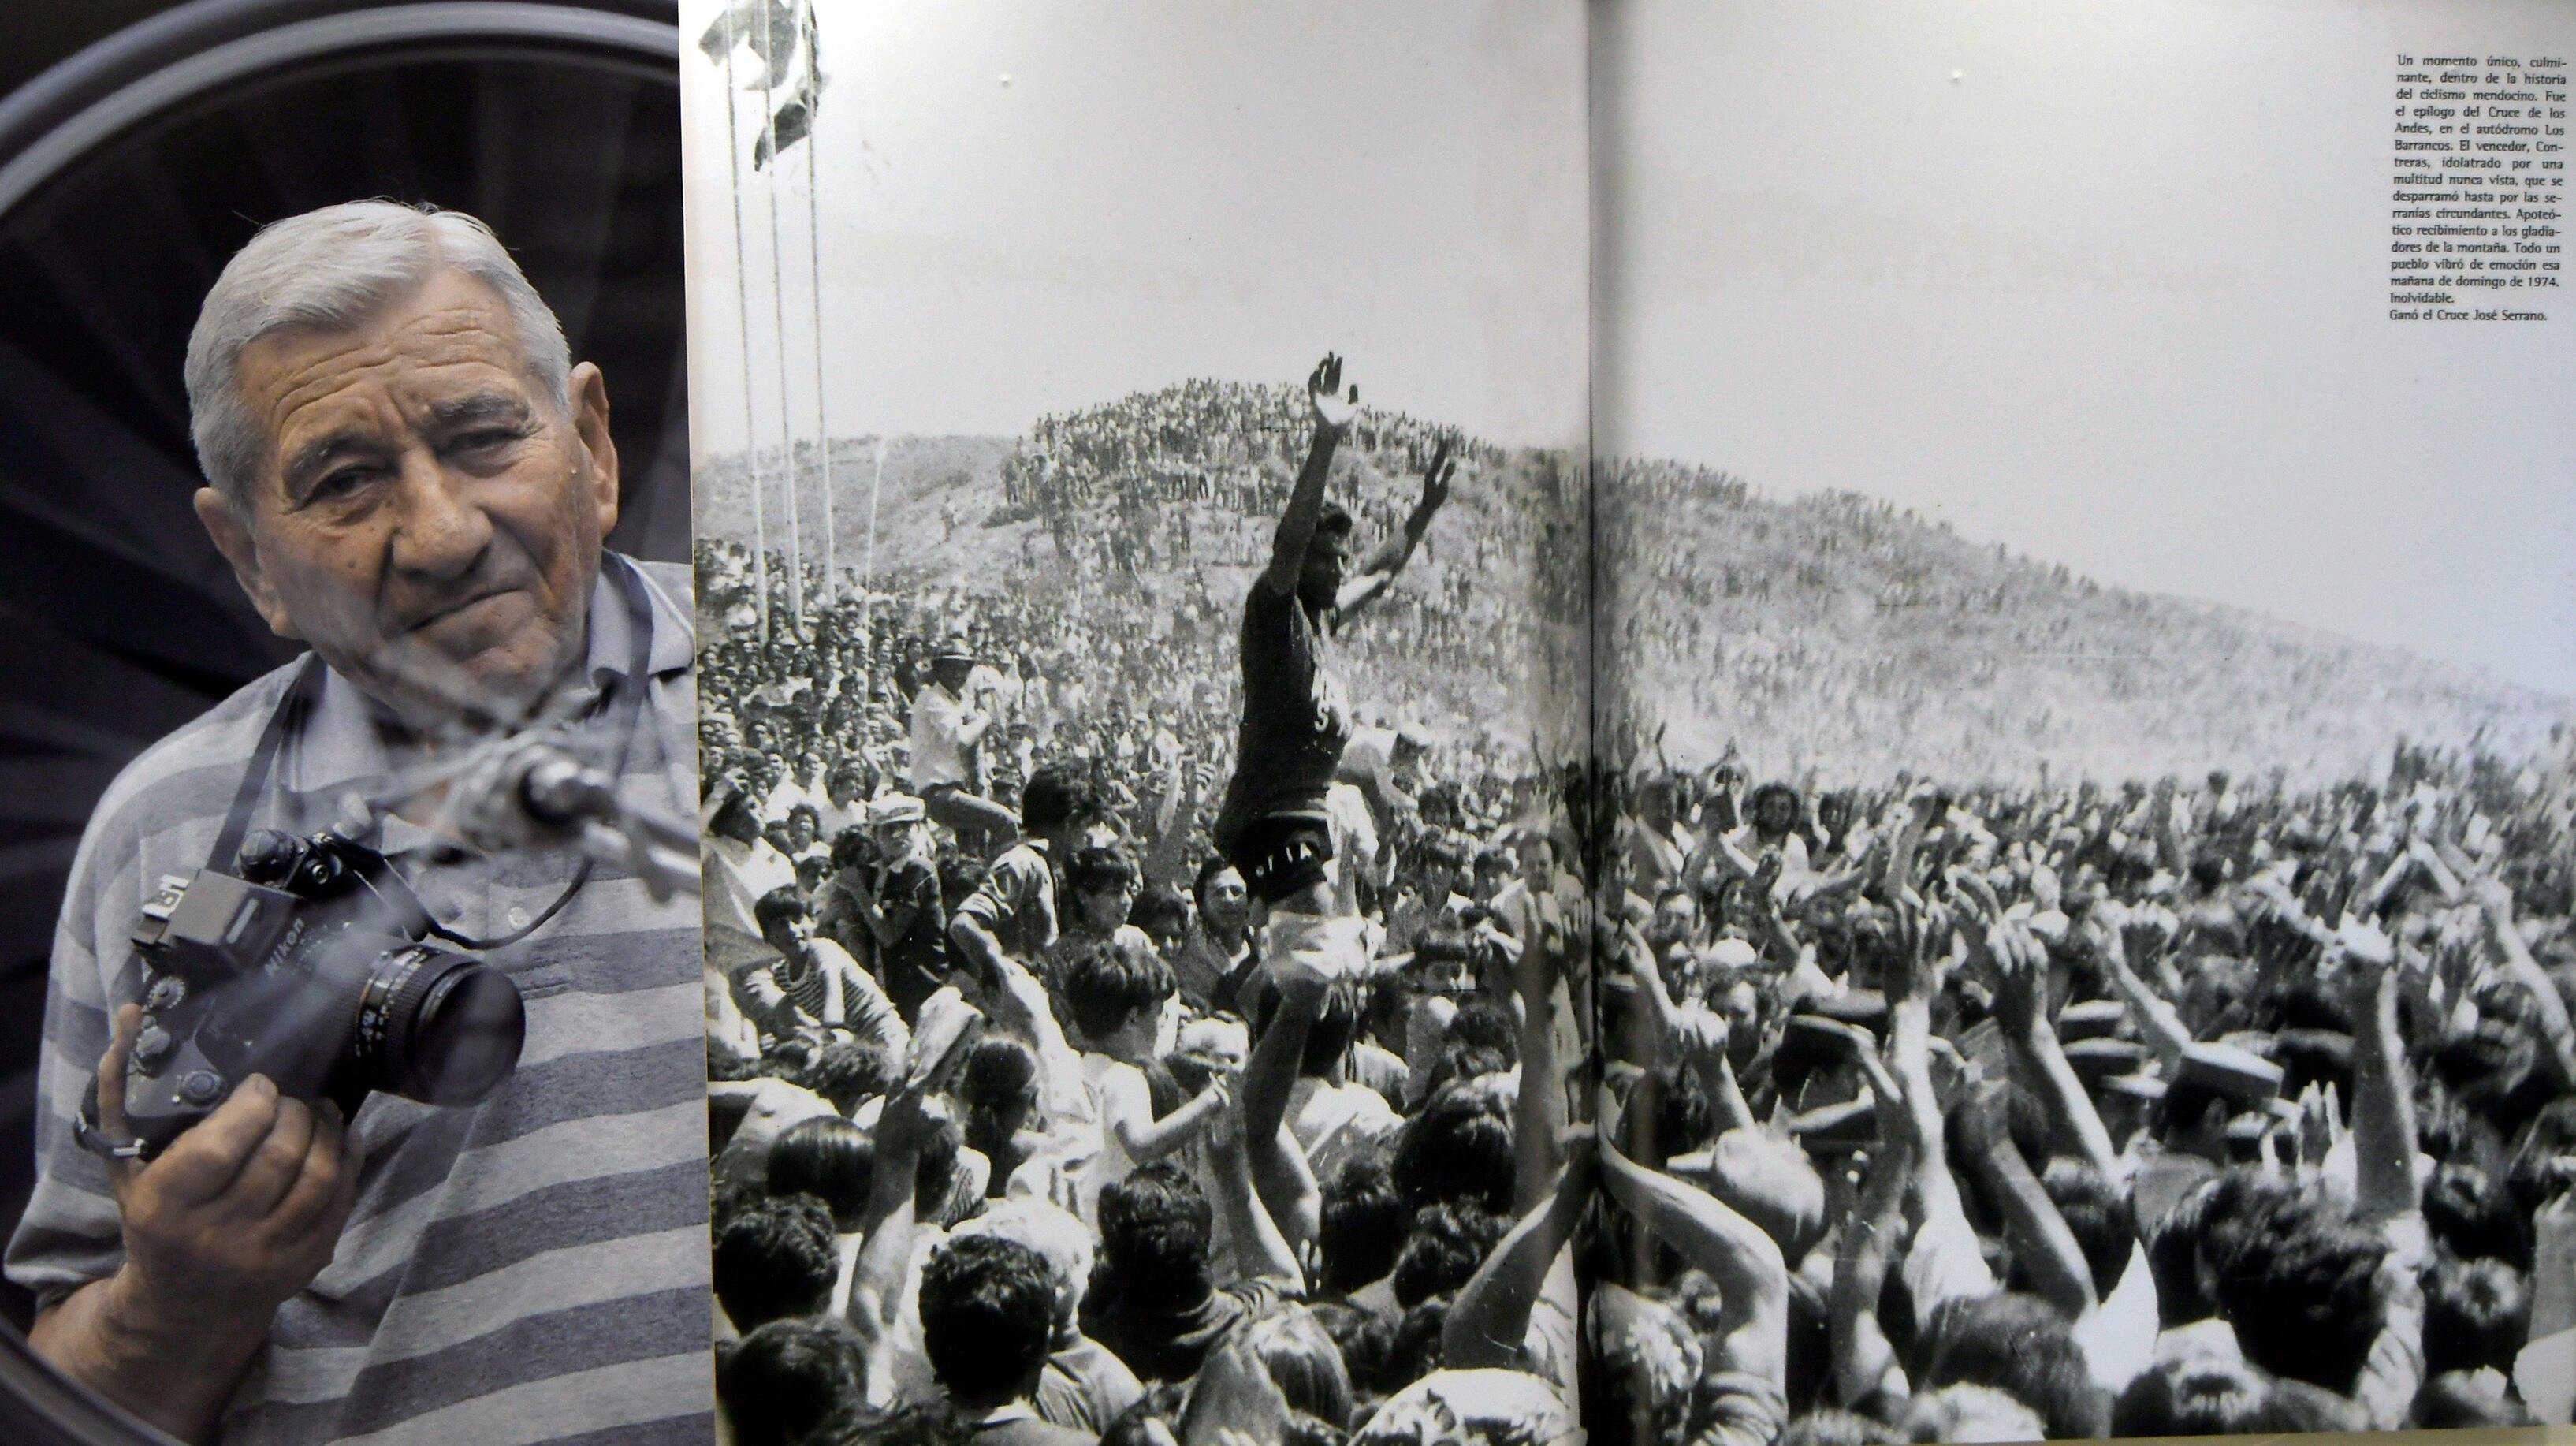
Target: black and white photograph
point(1143, 577)
point(2089, 667)
point(346, 1093)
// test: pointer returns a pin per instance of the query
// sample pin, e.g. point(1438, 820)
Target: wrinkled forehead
point(448, 346)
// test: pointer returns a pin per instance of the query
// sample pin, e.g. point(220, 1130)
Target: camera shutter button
point(165, 993)
point(200, 1086)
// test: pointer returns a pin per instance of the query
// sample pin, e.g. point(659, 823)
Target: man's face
point(1778, 813)
point(788, 931)
point(427, 518)
point(1537, 860)
point(1228, 903)
point(1676, 919)
point(1327, 560)
point(1656, 804)
point(737, 823)
point(1106, 908)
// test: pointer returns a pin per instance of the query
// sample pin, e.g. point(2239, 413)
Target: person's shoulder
point(676, 579)
point(672, 588)
point(193, 770)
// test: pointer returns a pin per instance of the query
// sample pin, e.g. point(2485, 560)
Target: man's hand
point(244, 1208)
point(1333, 411)
point(1435, 487)
point(2021, 970)
point(239, 1213)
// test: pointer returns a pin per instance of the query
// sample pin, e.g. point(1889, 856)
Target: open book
point(1879, 754)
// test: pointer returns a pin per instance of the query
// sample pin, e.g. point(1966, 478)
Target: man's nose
point(439, 531)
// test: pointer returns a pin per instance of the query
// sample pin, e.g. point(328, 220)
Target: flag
point(781, 36)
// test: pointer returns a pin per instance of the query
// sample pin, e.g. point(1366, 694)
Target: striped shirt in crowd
point(530, 1268)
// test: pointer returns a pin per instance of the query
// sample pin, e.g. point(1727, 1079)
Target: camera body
point(307, 965)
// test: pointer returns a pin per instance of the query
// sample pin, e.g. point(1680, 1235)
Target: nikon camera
point(308, 966)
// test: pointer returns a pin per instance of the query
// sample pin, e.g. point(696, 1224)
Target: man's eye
point(342, 483)
point(487, 440)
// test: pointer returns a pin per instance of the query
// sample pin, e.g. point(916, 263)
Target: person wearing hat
point(884, 890)
point(740, 865)
point(945, 729)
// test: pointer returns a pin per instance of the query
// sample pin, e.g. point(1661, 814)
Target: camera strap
point(295, 710)
point(288, 719)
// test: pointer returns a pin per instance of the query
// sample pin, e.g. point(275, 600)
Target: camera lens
point(437, 1027)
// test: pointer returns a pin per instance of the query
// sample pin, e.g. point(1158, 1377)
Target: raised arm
point(1866, 1374)
point(2038, 1235)
point(2383, 1104)
point(885, 1249)
point(1276, 1164)
point(2157, 1018)
point(1382, 566)
point(1262, 1251)
point(1166, 859)
point(1909, 1055)
point(1490, 1317)
point(1333, 413)
point(2495, 902)
point(1752, 1279)
point(1538, 1123)
point(2022, 1002)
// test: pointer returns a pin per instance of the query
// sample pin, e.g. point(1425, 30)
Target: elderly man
point(409, 477)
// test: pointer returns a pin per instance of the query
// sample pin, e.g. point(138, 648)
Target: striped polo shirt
point(532, 1268)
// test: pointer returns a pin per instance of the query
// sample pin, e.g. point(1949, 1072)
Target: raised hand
point(2021, 970)
point(1435, 484)
point(1333, 410)
point(1863, 1048)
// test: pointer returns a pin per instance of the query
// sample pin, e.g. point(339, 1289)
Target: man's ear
point(233, 539)
point(589, 392)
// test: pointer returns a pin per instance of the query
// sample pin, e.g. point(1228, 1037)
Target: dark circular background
point(118, 621)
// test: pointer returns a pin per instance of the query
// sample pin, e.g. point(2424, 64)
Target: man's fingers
point(325, 1183)
point(205, 1160)
point(274, 1166)
point(111, 1072)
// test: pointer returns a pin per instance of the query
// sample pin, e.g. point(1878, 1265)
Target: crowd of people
point(1640, 1099)
point(1848, 634)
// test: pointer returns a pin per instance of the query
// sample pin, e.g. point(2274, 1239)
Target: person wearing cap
point(946, 727)
point(885, 883)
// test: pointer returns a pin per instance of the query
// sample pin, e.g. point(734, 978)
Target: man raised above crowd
point(410, 477)
point(1296, 718)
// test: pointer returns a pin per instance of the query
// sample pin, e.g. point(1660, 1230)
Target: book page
point(2085, 550)
point(1139, 458)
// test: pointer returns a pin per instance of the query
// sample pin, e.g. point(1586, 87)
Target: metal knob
point(151, 1046)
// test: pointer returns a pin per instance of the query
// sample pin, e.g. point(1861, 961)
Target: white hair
point(334, 270)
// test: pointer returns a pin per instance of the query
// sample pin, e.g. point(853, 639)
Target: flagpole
point(742, 315)
point(778, 322)
point(814, 252)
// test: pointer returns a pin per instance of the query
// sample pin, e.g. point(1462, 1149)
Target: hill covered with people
point(1832, 632)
